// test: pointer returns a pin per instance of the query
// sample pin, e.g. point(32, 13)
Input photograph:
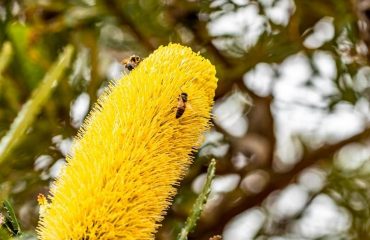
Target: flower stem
point(33, 106)
point(199, 203)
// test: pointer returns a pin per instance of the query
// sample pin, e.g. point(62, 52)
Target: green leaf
point(11, 221)
point(33, 106)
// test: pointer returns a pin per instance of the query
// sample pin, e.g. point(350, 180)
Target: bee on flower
point(131, 62)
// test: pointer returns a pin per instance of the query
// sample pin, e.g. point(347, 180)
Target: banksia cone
point(132, 151)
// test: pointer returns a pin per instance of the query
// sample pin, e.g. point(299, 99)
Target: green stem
point(199, 203)
point(5, 56)
point(33, 106)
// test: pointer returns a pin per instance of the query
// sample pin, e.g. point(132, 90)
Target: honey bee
point(181, 105)
point(131, 62)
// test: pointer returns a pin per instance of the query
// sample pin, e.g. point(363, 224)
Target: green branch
point(199, 203)
point(33, 106)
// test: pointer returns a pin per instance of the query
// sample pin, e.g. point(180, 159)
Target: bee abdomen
point(180, 112)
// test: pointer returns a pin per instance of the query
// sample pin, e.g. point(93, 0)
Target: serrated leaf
point(11, 221)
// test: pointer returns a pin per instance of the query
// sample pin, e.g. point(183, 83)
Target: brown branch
point(279, 181)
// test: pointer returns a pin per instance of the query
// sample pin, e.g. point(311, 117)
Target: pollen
point(132, 151)
point(41, 199)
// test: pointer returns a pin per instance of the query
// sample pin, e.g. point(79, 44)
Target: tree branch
point(281, 180)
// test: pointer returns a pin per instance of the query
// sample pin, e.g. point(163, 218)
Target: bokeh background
point(291, 117)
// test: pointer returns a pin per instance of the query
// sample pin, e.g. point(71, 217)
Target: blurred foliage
point(103, 32)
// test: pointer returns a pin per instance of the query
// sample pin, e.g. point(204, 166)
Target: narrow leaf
point(11, 221)
point(33, 106)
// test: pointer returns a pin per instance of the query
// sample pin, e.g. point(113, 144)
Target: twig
point(33, 106)
point(199, 203)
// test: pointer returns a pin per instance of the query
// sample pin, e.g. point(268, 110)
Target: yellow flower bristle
point(41, 199)
point(131, 151)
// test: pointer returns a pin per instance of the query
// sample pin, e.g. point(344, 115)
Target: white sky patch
point(239, 161)
point(323, 31)
point(343, 122)
point(312, 179)
point(325, 63)
point(213, 137)
point(42, 162)
point(289, 202)
point(298, 108)
point(287, 93)
point(280, 12)
point(363, 108)
point(63, 145)
point(217, 151)
point(213, 145)
point(245, 225)
point(240, 2)
point(56, 169)
point(295, 69)
point(230, 113)
point(352, 157)
point(244, 22)
point(321, 218)
point(325, 86)
point(79, 109)
point(220, 184)
point(81, 68)
point(217, 3)
point(115, 71)
point(260, 79)
point(255, 181)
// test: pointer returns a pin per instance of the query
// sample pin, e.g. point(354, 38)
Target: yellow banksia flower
point(41, 199)
point(132, 151)
point(43, 203)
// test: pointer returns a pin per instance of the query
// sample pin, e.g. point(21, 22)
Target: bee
point(131, 62)
point(181, 104)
